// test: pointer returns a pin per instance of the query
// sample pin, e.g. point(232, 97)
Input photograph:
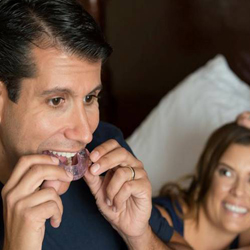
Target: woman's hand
point(244, 119)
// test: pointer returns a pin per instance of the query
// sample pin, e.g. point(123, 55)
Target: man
point(51, 53)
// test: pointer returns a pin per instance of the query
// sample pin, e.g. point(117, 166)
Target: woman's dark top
point(178, 225)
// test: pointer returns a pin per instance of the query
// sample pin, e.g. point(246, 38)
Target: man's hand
point(27, 205)
point(124, 202)
point(244, 119)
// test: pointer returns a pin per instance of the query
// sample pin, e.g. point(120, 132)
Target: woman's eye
point(225, 172)
point(89, 99)
point(56, 101)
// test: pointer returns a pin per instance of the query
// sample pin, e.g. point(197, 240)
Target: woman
point(213, 211)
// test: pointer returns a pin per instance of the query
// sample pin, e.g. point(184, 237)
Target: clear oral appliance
point(77, 165)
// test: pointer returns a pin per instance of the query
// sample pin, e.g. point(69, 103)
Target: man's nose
point(79, 128)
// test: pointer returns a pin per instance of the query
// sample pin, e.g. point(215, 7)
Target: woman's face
point(227, 205)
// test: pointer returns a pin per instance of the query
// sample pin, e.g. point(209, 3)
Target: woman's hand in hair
point(243, 119)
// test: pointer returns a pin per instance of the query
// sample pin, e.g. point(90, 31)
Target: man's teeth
point(235, 209)
point(65, 154)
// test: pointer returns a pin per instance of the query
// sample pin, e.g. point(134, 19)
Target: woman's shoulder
point(168, 204)
point(168, 210)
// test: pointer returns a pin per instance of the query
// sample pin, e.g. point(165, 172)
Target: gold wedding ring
point(132, 173)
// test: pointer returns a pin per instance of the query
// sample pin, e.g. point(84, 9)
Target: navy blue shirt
point(83, 226)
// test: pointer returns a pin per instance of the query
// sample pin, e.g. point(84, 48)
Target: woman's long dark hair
point(193, 195)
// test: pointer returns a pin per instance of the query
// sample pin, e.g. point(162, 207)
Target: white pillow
point(170, 140)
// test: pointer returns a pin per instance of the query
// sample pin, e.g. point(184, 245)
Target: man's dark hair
point(63, 24)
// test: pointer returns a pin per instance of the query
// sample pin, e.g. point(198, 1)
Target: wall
point(157, 43)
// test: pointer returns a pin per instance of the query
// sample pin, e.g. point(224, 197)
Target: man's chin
point(59, 186)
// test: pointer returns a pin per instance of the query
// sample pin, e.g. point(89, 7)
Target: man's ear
point(3, 98)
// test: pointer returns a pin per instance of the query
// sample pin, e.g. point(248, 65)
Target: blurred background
point(157, 44)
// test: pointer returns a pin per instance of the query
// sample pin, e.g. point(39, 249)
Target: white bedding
point(171, 138)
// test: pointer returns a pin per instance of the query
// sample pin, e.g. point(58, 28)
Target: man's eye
point(89, 99)
point(225, 172)
point(54, 102)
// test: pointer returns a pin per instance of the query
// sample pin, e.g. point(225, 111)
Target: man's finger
point(93, 181)
point(24, 164)
point(44, 211)
point(120, 176)
point(39, 197)
point(103, 149)
point(139, 189)
point(35, 176)
point(118, 157)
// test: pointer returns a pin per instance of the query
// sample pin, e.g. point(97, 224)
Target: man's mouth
point(76, 163)
point(66, 158)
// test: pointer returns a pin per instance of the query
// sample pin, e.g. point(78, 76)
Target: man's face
point(57, 110)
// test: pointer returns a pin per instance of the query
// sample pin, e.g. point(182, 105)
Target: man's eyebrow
point(56, 90)
point(98, 88)
point(67, 90)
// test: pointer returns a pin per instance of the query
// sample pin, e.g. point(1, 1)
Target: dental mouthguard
point(75, 163)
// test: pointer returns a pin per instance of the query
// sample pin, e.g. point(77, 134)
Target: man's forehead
point(53, 58)
point(56, 69)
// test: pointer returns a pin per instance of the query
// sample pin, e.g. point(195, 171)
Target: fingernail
point(70, 174)
point(54, 159)
point(108, 202)
point(94, 168)
point(114, 209)
point(57, 222)
point(95, 155)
